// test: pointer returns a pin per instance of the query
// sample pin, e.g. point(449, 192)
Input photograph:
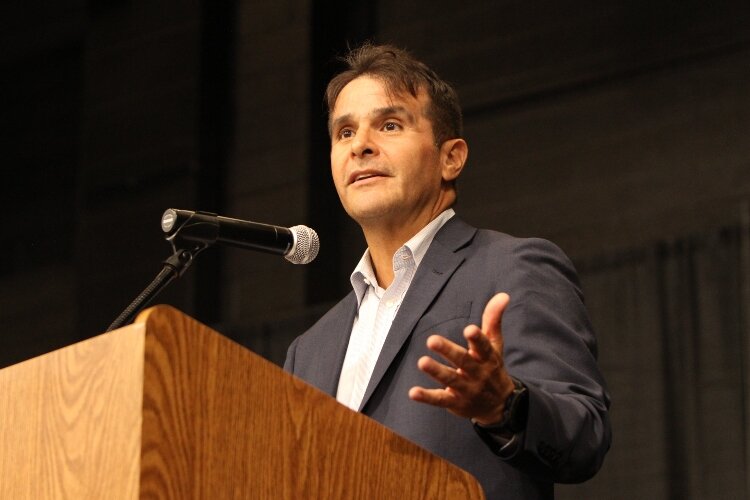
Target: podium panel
point(71, 421)
point(168, 408)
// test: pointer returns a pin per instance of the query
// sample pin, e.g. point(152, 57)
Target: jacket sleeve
point(549, 345)
point(289, 361)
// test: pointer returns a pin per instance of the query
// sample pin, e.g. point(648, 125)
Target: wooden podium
point(168, 408)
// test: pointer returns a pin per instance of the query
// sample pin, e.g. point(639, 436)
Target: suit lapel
point(433, 273)
point(330, 357)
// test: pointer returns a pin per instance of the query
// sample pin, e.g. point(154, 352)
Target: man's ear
point(453, 154)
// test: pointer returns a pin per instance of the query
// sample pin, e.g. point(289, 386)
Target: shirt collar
point(364, 275)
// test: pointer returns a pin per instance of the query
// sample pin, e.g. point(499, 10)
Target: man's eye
point(346, 133)
point(391, 126)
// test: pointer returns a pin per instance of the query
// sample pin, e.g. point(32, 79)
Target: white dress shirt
point(378, 308)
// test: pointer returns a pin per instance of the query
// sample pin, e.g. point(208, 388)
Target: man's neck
point(385, 236)
point(383, 245)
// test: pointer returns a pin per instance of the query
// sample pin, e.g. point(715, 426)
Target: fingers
point(492, 318)
point(481, 342)
point(460, 357)
point(443, 374)
point(468, 365)
point(444, 398)
point(493, 313)
point(480, 347)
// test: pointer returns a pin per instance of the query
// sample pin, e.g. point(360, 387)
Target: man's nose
point(363, 144)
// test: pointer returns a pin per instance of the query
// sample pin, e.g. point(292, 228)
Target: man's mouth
point(361, 176)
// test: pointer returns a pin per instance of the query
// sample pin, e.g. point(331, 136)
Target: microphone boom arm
point(174, 266)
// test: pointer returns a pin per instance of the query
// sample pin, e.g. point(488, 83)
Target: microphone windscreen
point(306, 245)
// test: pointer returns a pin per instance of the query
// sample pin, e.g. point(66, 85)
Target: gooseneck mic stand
point(187, 240)
point(174, 267)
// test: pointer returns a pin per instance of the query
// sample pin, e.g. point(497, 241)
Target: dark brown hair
point(401, 72)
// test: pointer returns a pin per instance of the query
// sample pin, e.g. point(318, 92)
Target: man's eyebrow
point(338, 121)
point(394, 110)
point(376, 113)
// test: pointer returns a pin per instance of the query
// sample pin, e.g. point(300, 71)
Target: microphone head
point(306, 245)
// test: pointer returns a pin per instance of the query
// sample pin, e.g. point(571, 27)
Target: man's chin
point(369, 215)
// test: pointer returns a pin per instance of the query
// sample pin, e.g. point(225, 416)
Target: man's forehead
point(358, 89)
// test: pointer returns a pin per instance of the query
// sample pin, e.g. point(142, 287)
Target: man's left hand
point(476, 384)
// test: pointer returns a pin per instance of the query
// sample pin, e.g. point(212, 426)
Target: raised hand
point(475, 381)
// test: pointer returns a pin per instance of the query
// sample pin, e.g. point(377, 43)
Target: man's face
point(384, 161)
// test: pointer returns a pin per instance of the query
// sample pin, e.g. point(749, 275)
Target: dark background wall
point(605, 126)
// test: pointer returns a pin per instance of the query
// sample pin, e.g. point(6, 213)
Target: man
point(518, 402)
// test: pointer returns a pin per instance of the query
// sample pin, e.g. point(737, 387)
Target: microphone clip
point(191, 231)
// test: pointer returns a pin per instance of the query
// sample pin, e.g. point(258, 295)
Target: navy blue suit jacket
point(548, 344)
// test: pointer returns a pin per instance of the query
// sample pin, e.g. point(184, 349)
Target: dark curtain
point(673, 343)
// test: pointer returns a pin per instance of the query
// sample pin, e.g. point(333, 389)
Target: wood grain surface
point(221, 422)
point(71, 421)
point(168, 408)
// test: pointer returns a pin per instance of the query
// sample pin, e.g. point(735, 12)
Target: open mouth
point(364, 175)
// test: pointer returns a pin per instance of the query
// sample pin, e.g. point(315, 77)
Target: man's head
point(401, 73)
point(393, 163)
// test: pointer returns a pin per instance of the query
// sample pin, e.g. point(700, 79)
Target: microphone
point(298, 244)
